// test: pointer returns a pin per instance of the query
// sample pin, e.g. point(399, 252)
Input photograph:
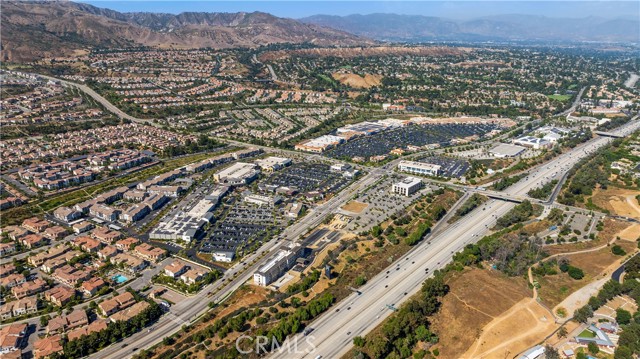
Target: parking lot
point(412, 135)
point(308, 177)
point(451, 167)
point(241, 227)
point(382, 203)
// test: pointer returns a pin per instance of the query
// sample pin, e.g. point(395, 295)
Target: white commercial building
point(504, 150)
point(407, 186)
point(262, 200)
point(319, 144)
point(279, 264)
point(239, 173)
point(271, 164)
point(419, 168)
point(533, 142)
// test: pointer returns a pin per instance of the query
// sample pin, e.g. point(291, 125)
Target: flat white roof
point(408, 182)
point(239, 169)
point(422, 165)
point(323, 141)
point(273, 261)
point(509, 150)
point(272, 161)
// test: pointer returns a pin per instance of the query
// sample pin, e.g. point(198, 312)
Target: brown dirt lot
point(355, 207)
point(555, 288)
point(357, 81)
point(476, 297)
point(631, 233)
point(521, 327)
point(618, 200)
point(251, 295)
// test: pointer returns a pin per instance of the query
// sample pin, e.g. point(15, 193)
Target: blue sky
point(450, 9)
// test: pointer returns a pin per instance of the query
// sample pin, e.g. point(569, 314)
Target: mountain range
point(34, 30)
point(418, 28)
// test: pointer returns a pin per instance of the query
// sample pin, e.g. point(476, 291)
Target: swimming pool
point(119, 278)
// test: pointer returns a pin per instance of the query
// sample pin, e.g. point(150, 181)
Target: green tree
point(593, 348)
point(623, 316)
point(551, 352)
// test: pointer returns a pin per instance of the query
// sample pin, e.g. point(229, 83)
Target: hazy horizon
point(448, 9)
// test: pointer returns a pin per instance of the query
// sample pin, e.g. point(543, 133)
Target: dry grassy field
point(477, 297)
point(618, 200)
point(354, 207)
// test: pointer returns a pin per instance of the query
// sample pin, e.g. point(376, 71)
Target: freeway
point(103, 101)
point(356, 314)
point(574, 105)
point(432, 254)
point(333, 332)
point(188, 310)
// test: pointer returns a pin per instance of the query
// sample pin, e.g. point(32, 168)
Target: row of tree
point(94, 342)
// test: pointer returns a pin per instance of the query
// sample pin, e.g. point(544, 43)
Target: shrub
point(575, 273)
point(617, 250)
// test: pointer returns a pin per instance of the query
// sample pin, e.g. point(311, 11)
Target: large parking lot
point(307, 177)
point(450, 167)
point(412, 135)
point(241, 227)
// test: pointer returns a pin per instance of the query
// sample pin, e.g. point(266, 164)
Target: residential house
point(15, 232)
point(33, 241)
point(29, 288)
point(87, 244)
point(82, 227)
point(11, 337)
point(67, 214)
point(149, 252)
point(175, 269)
point(12, 280)
point(6, 269)
point(35, 224)
point(107, 252)
point(95, 327)
point(70, 275)
point(117, 303)
point(133, 264)
point(192, 275)
point(128, 313)
point(92, 286)
point(47, 346)
point(105, 235)
point(55, 232)
point(7, 248)
point(23, 306)
point(59, 295)
point(127, 244)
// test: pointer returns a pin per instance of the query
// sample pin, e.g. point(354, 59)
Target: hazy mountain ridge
point(32, 30)
point(415, 28)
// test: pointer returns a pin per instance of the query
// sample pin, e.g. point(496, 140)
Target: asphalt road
point(103, 101)
point(333, 332)
point(188, 310)
point(364, 314)
point(366, 310)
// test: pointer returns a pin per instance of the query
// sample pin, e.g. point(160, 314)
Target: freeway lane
point(358, 314)
point(189, 309)
point(334, 332)
point(103, 101)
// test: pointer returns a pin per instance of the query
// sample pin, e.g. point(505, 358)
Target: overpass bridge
point(608, 134)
